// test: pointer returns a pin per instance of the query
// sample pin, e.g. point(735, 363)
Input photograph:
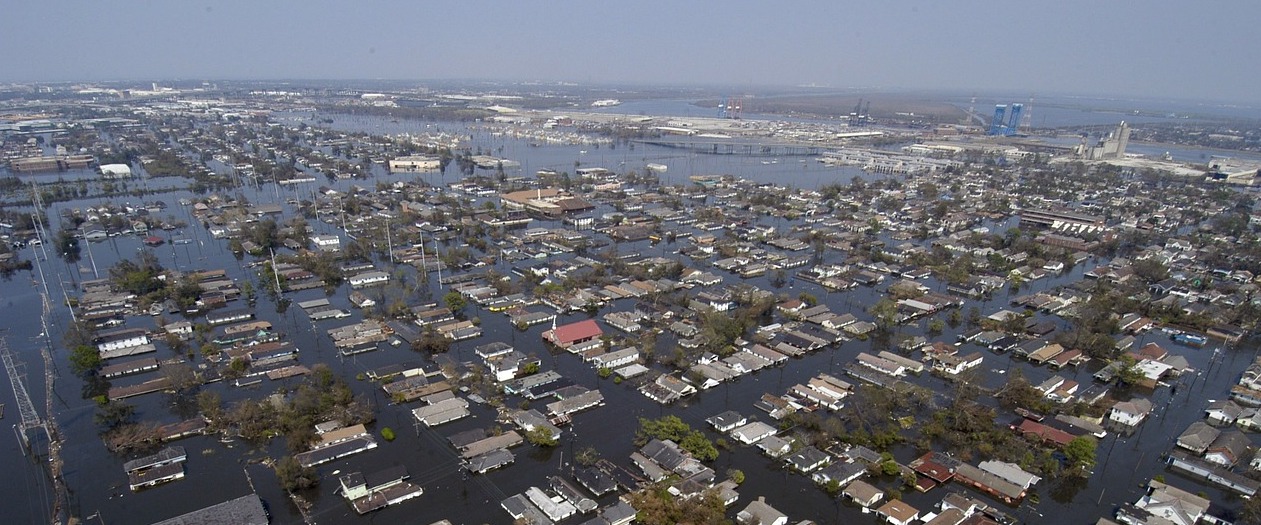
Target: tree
point(182, 377)
point(454, 301)
point(210, 404)
point(84, 359)
point(1129, 373)
point(541, 436)
point(114, 413)
point(699, 446)
point(68, 246)
point(886, 313)
point(656, 506)
point(293, 476)
point(1081, 453)
point(1250, 513)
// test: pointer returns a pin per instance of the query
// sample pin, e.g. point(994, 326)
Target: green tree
point(454, 301)
point(84, 359)
point(1081, 453)
point(699, 446)
point(886, 313)
point(541, 436)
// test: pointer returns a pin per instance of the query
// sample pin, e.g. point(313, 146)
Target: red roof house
point(573, 333)
point(1033, 429)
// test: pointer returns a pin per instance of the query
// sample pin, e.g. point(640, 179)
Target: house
point(988, 483)
point(948, 517)
point(368, 279)
point(840, 473)
point(1198, 437)
point(667, 389)
point(1250, 420)
point(897, 512)
point(808, 459)
point(1229, 447)
point(1130, 413)
point(727, 421)
point(571, 334)
point(330, 243)
point(774, 446)
point(760, 513)
point(1165, 505)
point(1039, 432)
point(1223, 413)
point(1010, 472)
point(121, 338)
point(752, 432)
point(953, 365)
point(378, 490)
point(616, 358)
point(862, 493)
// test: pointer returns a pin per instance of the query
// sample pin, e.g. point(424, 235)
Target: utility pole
point(389, 243)
point(275, 273)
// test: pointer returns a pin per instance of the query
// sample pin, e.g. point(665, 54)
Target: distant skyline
point(1157, 49)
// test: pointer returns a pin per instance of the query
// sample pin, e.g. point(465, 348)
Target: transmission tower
point(17, 376)
point(1026, 123)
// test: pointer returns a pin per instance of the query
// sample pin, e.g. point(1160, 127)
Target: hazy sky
point(1167, 48)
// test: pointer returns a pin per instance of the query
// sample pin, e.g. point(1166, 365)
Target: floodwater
point(218, 471)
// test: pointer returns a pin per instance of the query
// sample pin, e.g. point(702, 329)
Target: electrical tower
point(17, 377)
point(732, 108)
point(1026, 123)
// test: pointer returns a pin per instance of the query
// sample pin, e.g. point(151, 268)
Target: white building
point(327, 242)
point(119, 339)
point(1130, 413)
point(369, 278)
point(115, 171)
point(414, 163)
point(616, 359)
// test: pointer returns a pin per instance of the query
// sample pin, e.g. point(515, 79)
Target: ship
point(608, 102)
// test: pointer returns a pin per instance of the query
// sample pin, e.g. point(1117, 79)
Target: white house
point(413, 163)
point(369, 278)
point(119, 339)
point(1131, 412)
point(616, 358)
point(759, 513)
point(115, 171)
point(752, 432)
point(327, 242)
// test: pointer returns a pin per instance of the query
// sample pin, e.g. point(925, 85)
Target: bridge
point(735, 146)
